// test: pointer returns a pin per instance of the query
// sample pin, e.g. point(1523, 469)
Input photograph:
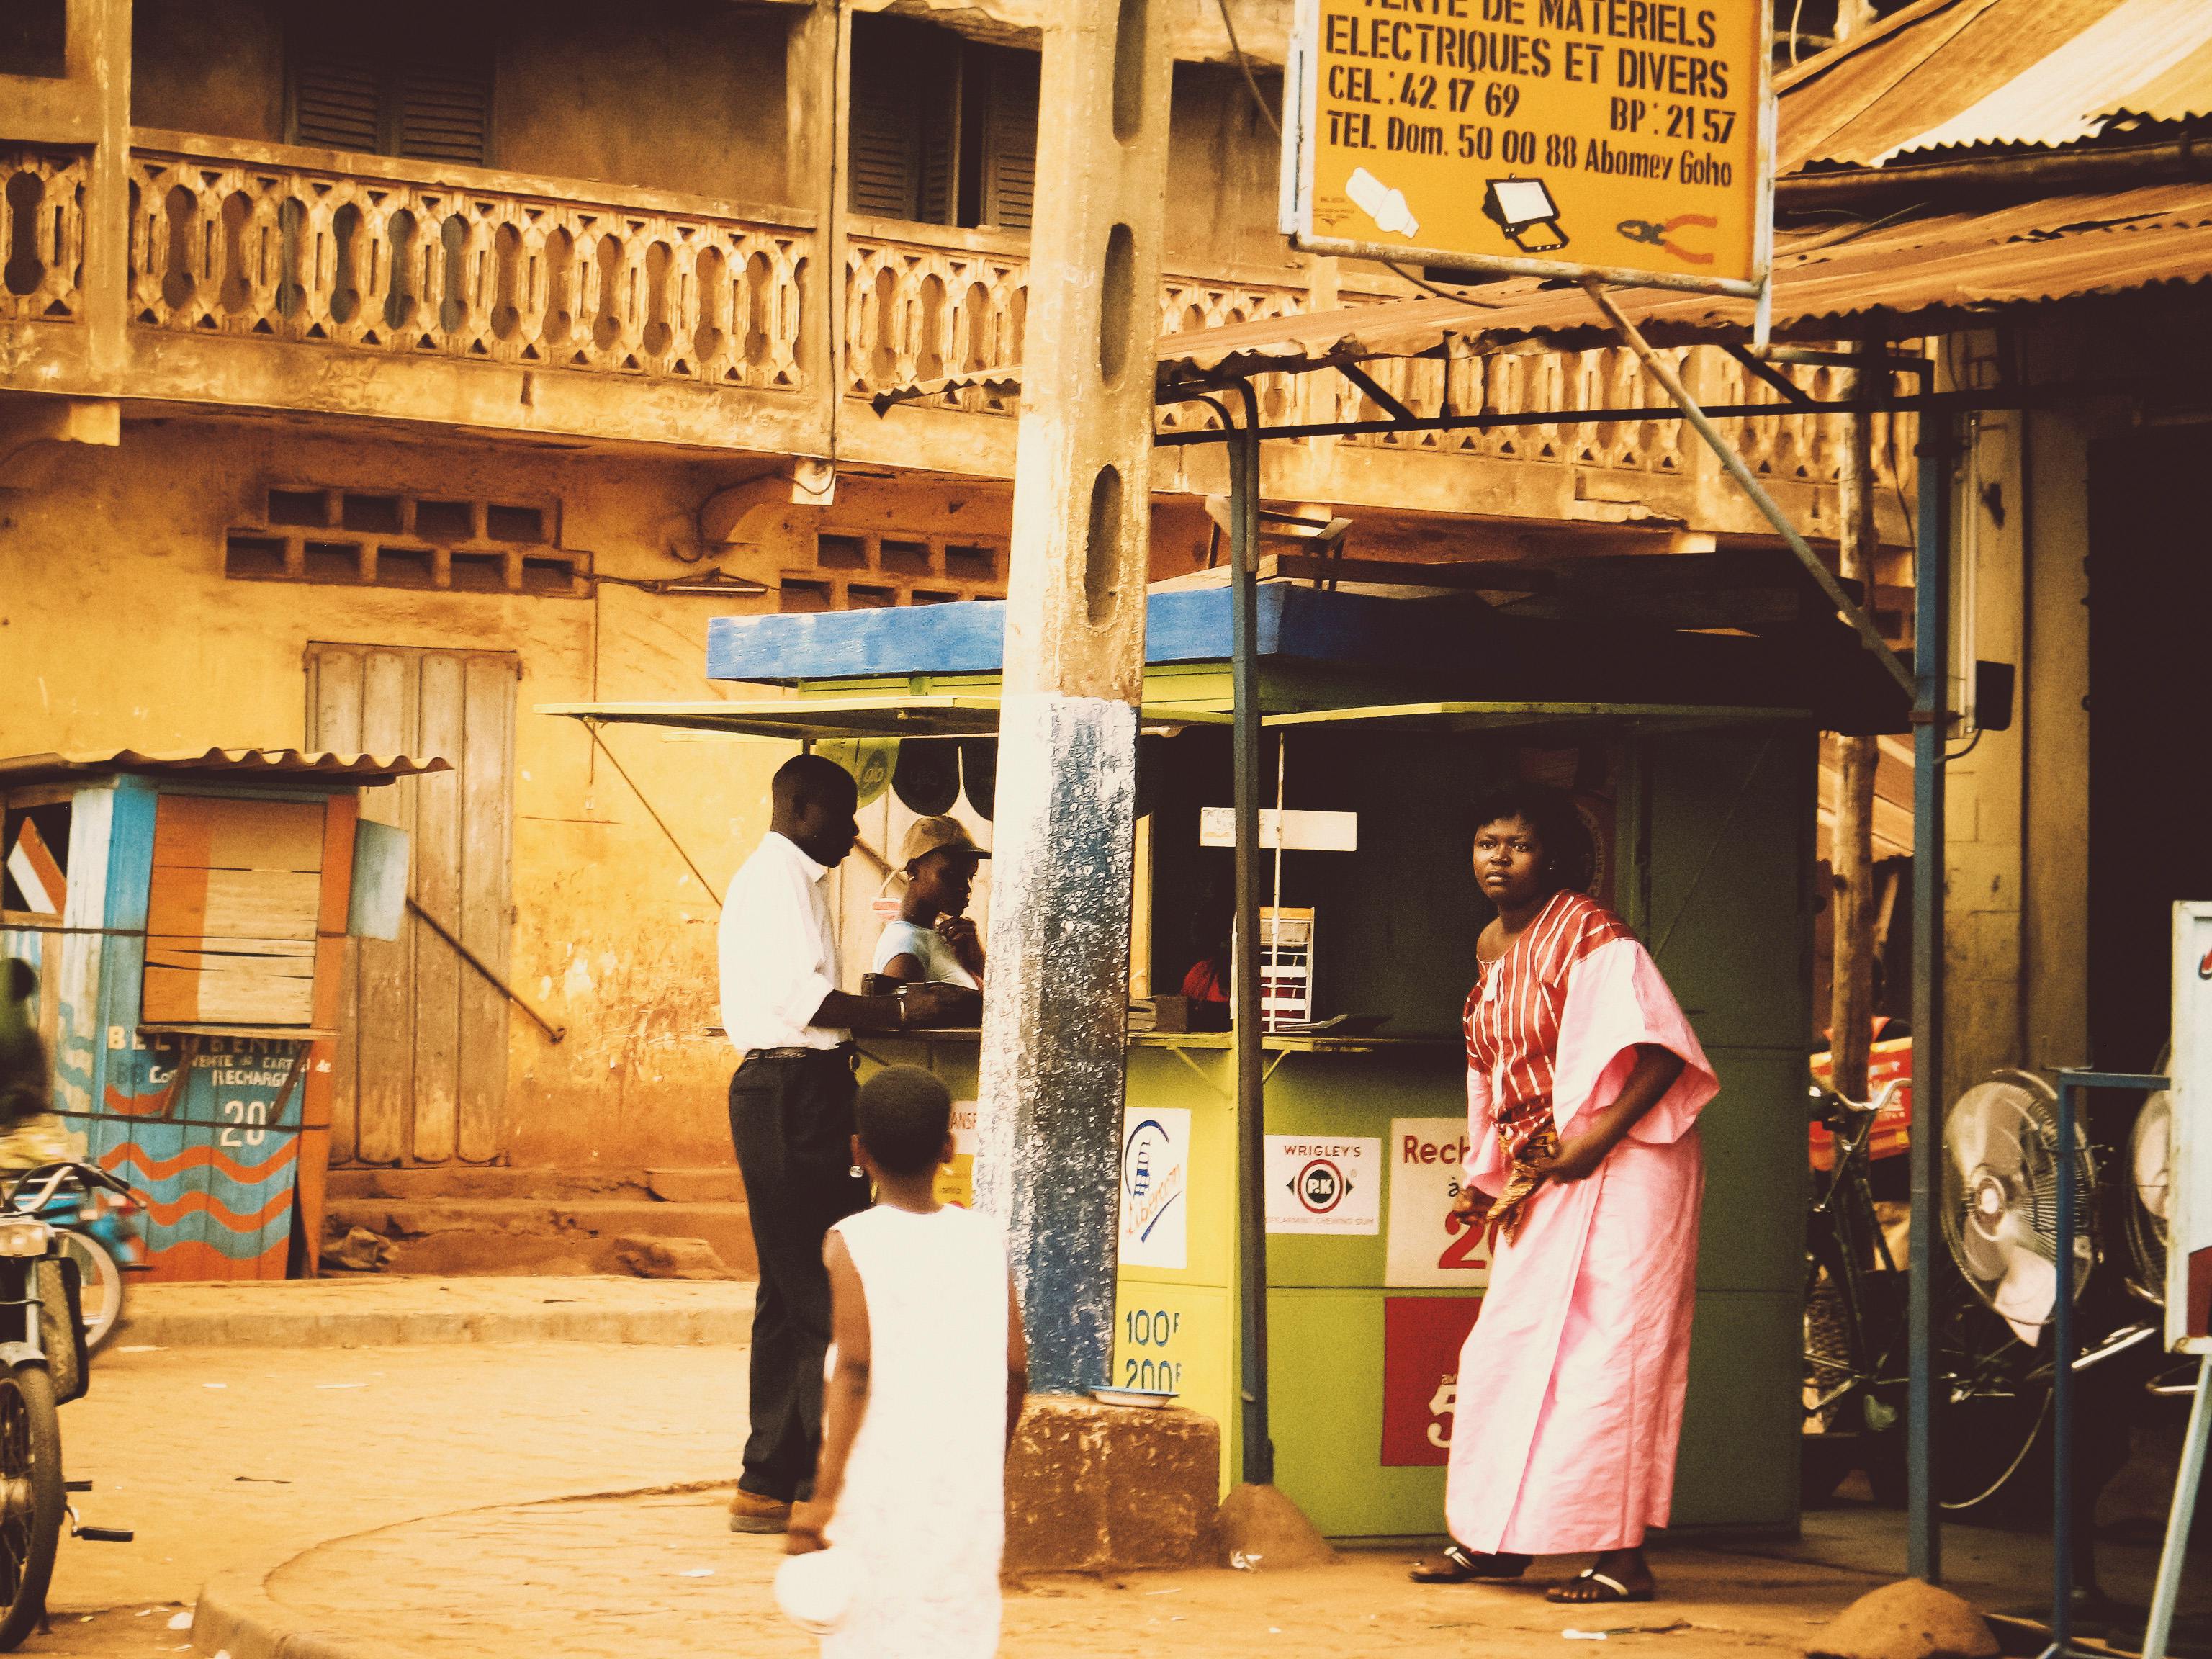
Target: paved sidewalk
point(375, 1310)
point(657, 1573)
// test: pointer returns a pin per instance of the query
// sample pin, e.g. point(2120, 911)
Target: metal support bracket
point(1790, 391)
point(1382, 400)
point(1663, 372)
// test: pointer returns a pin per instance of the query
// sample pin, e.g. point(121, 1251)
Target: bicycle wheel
point(30, 1497)
point(1995, 1400)
point(101, 1278)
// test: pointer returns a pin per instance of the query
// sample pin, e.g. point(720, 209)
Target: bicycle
point(1993, 1393)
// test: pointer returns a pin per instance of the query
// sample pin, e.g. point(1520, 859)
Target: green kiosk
point(1692, 755)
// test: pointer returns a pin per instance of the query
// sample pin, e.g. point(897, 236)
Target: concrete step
point(380, 1310)
point(564, 1235)
point(718, 1184)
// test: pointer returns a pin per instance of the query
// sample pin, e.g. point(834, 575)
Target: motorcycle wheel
point(31, 1500)
point(103, 1285)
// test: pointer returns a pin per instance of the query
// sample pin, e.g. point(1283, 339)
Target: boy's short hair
point(903, 1114)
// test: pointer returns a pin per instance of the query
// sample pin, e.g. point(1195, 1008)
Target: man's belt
point(839, 1050)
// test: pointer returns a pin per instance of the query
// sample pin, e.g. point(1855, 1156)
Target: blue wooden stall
point(187, 915)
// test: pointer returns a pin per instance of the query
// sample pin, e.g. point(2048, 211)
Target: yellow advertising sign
point(1626, 139)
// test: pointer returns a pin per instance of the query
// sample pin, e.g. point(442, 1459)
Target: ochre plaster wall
point(1222, 166)
point(212, 66)
point(674, 95)
point(118, 629)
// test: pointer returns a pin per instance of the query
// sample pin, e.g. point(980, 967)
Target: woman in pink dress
point(1584, 1083)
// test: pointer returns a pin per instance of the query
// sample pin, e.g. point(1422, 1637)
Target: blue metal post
point(2072, 1085)
point(2177, 1524)
point(1931, 628)
point(1259, 1459)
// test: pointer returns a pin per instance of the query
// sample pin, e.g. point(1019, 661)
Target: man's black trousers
point(791, 1117)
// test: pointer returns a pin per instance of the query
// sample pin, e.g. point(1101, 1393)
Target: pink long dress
point(1570, 1383)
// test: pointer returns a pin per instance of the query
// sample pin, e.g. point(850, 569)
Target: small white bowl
point(816, 1590)
point(1144, 1397)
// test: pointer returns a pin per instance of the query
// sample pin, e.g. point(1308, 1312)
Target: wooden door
point(419, 1075)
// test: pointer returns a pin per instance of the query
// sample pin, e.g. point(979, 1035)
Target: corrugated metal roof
point(1959, 74)
point(1929, 272)
point(233, 763)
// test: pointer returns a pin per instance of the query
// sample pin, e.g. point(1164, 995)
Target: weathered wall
point(1982, 823)
point(121, 629)
point(674, 95)
point(671, 94)
point(214, 66)
point(1222, 163)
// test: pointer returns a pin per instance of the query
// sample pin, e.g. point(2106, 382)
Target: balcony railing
point(365, 254)
point(921, 304)
point(41, 233)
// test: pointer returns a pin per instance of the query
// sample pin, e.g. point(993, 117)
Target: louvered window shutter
point(349, 96)
point(1010, 140)
point(334, 100)
point(886, 159)
point(444, 113)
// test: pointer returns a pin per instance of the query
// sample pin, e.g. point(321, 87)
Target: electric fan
point(2001, 1198)
point(2150, 1151)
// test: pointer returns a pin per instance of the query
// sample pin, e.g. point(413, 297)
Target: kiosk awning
point(966, 714)
point(1488, 716)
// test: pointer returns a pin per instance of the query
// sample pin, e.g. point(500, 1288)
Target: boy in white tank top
point(927, 1372)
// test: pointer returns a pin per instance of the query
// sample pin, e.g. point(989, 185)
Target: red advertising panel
point(1421, 1338)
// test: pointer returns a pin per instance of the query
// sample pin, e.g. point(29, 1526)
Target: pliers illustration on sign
point(1658, 235)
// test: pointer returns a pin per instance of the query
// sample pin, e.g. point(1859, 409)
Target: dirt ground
point(426, 1499)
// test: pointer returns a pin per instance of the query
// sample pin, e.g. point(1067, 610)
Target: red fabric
point(1513, 1034)
point(1203, 983)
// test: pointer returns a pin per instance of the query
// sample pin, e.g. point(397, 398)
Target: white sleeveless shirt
point(924, 1505)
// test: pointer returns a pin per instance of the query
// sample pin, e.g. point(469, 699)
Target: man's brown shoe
point(751, 1512)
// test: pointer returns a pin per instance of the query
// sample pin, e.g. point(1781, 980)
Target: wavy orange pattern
point(194, 1157)
point(218, 1212)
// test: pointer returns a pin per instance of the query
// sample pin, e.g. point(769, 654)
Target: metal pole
point(2062, 1387)
point(1931, 630)
point(1245, 982)
point(1663, 372)
point(2072, 1085)
point(2185, 1481)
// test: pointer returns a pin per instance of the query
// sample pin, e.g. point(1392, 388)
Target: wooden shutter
point(1009, 140)
point(444, 110)
point(232, 915)
point(885, 155)
point(336, 100)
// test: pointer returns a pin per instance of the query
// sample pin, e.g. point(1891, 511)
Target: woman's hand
point(804, 1535)
point(1470, 1203)
point(1579, 1158)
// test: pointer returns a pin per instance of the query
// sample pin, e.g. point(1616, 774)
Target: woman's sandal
point(1615, 1591)
point(1458, 1567)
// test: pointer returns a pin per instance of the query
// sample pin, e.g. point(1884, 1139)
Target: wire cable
point(1244, 64)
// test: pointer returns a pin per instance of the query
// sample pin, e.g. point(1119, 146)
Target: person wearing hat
point(932, 940)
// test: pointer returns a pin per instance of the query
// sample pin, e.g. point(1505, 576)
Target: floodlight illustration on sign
point(1639, 135)
point(1525, 211)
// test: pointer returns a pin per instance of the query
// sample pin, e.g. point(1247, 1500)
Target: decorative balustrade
point(282, 249)
point(921, 310)
point(41, 233)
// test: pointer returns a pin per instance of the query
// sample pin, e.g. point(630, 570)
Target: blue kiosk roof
point(1188, 626)
point(1455, 646)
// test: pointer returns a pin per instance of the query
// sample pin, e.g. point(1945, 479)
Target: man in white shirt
point(791, 1111)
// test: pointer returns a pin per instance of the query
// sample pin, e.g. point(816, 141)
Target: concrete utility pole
point(1850, 1020)
point(1055, 1013)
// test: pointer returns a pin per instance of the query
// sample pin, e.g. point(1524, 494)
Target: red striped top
point(1513, 1027)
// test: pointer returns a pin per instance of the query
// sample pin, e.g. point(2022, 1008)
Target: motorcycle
point(94, 1211)
point(45, 1363)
